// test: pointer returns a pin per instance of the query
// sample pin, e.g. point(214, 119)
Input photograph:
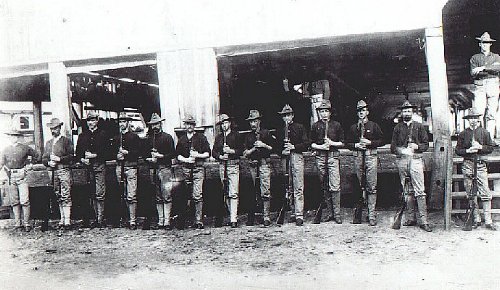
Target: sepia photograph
point(279, 144)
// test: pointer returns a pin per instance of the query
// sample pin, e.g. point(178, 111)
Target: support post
point(59, 96)
point(38, 127)
point(443, 151)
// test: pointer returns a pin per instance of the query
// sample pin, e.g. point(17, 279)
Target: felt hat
point(472, 113)
point(485, 37)
point(222, 118)
point(54, 122)
point(286, 110)
point(254, 114)
point(155, 118)
point(325, 104)
point(360, 105)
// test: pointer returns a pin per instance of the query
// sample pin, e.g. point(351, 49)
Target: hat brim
point(473, 116)
point(286, 112)
point(156, 121)
point(362, 107)
point(222, 121)
point(52, 126)
point(406, 107)
point(189, 122)
point(253, 118)
point(321, 108)
point(486, 40)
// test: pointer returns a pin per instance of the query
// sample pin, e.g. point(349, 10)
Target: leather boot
point(267, 212)
point(161, 214)
point(167, 208)
point(132, 208)
point(372, 216)
point(26, 217)
point(233, 210)
point(337, 217)
point(410, 211)
point(16, 209)
point(199, 214)
point(100, 213)
point(422, 212)
point(67, 215)
point(487, 215)
point(329, 205)
point(61, 213)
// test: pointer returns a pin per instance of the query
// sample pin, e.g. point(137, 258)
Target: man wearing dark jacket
point(127, 146)
point(409, 141)
point(91, 149)
point(293, 144)
point(476, 140)
point(364, 138)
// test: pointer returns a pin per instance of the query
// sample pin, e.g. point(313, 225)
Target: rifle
point(153, 165)
point(406, 189)
point(225, 180)
point(257, 198)
point(287, 202)
point(123, 178)
point(326, 182)
point(358, 210)
point(190, 186)
point(473, 195)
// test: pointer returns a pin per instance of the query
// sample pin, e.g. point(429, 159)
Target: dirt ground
point(328, 255)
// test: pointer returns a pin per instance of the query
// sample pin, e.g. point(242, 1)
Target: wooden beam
point(59, 96)
point(442, 156)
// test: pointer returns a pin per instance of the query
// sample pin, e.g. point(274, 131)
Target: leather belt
point(17, 170)
point(367, 152)
point(231, 162)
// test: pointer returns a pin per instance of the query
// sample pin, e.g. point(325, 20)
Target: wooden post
point(443, 151)
point(188, 81)
point(38, 127)
point(59, 97)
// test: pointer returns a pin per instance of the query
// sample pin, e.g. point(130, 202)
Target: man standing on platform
point(409, 141)
point(15, 160)
point(258, 147)
point(193, 149)
point(91, 149)
point(327, 136)
point(293, 144)
point(227, 149)
point(364, 138)
point(160, 151)
point(58, 156)
point(484, 68)
point(475, 140)
point(127, 146)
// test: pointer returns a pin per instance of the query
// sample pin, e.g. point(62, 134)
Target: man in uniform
point(364, 138)
point(58, 156)
point(91, 150)
point(15, 160)
point(293, 147)
point(258, 147)
point(484, 68)
point(327, 136)
point(192, 150)
point(409, 141)
point(475, 140)
point(160, 151)
point(227, 149)
point(127, 146)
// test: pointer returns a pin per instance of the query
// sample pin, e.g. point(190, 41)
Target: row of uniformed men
point(409, 141)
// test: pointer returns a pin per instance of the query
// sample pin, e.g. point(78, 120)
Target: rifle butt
point(396, 225)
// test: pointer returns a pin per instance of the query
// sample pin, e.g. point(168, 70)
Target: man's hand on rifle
point(52, 163)
point(224, 157)
point(478, 69)
point(55, 158)
point(155, 154)
point(85, 161)
point(90, 155)
point(152, 159)
point(412, 146)
point(227, 150)
point(247, 152)
point(360, 146)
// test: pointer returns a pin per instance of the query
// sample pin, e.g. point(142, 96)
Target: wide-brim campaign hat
point(407, 104)
point(222, 118)
point(325, 104)
point(485, 37)
point(189, 120)
point(254, 114)
point(125, 117)
point(54, 123)
point(472, 113)
point(92, 115)
point(286, 110)
point(360, 105)
point(155, 118)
